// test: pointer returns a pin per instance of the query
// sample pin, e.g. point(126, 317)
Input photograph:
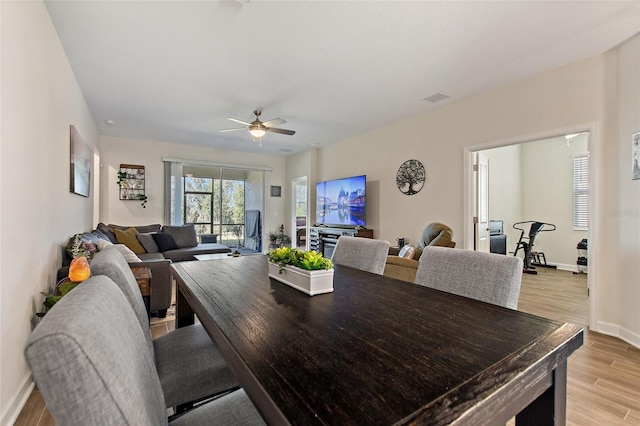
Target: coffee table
point(213, 256)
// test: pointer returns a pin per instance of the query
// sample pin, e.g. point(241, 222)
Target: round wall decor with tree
point(411, 177)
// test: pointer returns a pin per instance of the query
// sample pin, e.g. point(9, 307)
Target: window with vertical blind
point(581, 192)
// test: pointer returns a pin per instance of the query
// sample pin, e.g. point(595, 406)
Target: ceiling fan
point(258, 128)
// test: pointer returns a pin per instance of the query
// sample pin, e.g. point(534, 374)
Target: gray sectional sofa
point(154, 246)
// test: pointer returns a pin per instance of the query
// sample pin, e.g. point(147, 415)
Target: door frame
point(593, 148)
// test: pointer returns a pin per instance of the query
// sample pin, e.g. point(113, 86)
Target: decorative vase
point(310, 282)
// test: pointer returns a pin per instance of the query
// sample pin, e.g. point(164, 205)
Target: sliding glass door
point(221, 202)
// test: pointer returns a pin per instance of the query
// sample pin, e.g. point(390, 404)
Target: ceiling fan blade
point(232, 130)
point(238, 121)
point(273, 122)
point(283, 131)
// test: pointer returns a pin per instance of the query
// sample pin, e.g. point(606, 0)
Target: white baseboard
point(11, 414)
point(619, 332)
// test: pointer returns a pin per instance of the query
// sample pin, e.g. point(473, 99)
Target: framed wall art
point(635, 156)
point(276, 191)
point(81, 153)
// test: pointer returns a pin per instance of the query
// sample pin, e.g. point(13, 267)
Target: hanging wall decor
point(131, 181)
point(635, 156)
point(81, 156)
point(410, 177)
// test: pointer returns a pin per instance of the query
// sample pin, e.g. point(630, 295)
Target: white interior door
point(481, 219)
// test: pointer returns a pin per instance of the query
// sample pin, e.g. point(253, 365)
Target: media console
point(323, 239)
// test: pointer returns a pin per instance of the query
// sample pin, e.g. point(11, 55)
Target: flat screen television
point(341, 202)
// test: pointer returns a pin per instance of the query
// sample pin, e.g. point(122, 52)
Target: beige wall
point(618, 210)
point(40, 100)
point(505, 189)
point(602, 91)
point(116, 151)
point(564, 97)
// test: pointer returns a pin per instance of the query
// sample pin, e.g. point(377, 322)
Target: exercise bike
point(532, 258)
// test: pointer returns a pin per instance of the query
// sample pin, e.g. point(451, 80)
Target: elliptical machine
point(532, 258)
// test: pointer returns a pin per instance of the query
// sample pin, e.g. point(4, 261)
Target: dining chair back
point(488, 277)
point(189, 364)
point(90, 362)
point(361, 253)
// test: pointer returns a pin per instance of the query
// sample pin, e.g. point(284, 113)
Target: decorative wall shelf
point(131, 182)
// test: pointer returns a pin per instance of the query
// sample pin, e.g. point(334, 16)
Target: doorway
point(526, 196)
point(300, 211)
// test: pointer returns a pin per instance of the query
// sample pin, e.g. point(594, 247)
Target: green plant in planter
point(313, 261)
point(309, 260)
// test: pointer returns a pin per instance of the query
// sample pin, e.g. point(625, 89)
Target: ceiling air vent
point(285, 150)
point(436, 97)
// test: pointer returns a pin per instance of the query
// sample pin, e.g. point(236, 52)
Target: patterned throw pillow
point(407, 252)
point(129, 238)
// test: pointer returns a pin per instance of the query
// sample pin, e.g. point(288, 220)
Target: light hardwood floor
point(603, 375)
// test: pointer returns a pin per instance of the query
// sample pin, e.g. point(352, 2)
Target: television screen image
point(341, 202)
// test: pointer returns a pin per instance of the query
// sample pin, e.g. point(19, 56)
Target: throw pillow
point(129, 256)
point(147, 241)
point(184, 236)
point(407, 252)
point(102, 244)
point(165, 242)
point(108, 232)
point(85, 246)
point(129, 238)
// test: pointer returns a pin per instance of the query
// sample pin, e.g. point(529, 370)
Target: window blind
point(581, 192)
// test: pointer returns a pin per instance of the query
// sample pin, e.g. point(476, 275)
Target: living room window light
point(581, 192)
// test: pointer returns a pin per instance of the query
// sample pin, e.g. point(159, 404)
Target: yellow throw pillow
point(129, 238)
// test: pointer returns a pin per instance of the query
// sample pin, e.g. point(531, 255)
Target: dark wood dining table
point(376, 351)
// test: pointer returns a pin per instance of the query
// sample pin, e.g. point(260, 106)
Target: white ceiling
point(173, 70)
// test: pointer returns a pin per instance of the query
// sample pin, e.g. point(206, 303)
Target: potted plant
point(307, 271)
point(273, 237)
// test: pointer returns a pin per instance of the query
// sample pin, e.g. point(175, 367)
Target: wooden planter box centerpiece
point(308, 272)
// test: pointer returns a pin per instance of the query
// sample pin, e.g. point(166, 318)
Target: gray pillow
point(147, 241)
point(184, 236)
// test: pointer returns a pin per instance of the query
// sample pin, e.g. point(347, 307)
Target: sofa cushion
point(130, 239)
point(147, 241)
point(165, 242)
point(184, 236)
point(140, 228)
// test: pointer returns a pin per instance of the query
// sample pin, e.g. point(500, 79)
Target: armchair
point(405, 268)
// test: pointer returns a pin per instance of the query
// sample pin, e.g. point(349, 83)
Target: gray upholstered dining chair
point(188, 363)
point(90, 361)
point(487, 277)
point(361, 253)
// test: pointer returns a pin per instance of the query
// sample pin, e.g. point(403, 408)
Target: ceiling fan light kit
point(259, 128)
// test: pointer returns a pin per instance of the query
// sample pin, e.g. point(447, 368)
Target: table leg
point(184, 313)
point(550, 408)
